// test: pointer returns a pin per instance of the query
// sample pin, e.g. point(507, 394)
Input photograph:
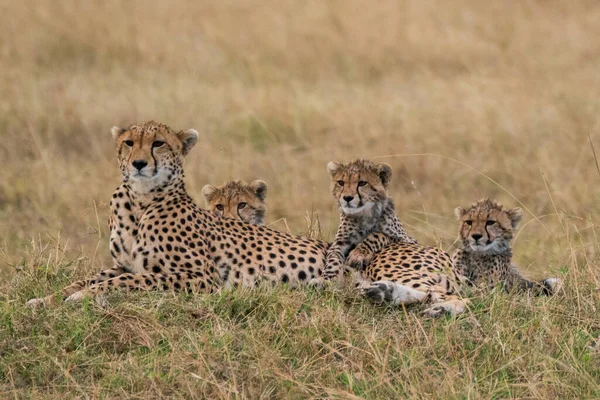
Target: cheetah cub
point(486, 230)
point(239, 200)
point(368, 221)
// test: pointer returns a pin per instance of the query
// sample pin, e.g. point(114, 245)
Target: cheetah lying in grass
point(238, 200)
point(161, 240)
point(368, 221)
point(486, 230)
point(385, 262)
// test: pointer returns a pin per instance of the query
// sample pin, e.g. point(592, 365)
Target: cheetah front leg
point(195, 281)
point(334, 261)
point(445, 300)
point(361, 256)
point(78, 286)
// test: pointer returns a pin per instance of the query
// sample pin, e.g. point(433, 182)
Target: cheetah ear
point(515, 215)
point(333, 167)
point(188, 139)
point(208, 191)
point(259, 188)
point(116, 132)
point(385, 173)
point(459, 212)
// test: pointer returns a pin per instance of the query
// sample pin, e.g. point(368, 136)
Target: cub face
point(151, 154)
point(359, 185)
point(486, 227)
point(238, 200)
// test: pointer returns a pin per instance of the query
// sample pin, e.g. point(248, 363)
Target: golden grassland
point(464, 99)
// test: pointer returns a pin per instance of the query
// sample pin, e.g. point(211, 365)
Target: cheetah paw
point(393, 293)
point(35, 303)
point(452, 307)
point(77, 296)
point(434, 312)
point(553, 285)
point(358, 260)
point(319, 282)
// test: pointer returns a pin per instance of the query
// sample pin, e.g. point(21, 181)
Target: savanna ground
point(464, 99)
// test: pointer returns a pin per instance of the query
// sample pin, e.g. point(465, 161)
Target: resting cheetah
point(406, 273)
point(238, 200)
point(401, 271)
point(160, 239)
point(368, 221)
point(486, 231)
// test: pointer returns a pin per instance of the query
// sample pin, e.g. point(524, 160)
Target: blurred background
point(464, 99)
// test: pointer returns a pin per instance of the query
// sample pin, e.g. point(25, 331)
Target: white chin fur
point(482, 249)
point(354, 210)
point(144, 183)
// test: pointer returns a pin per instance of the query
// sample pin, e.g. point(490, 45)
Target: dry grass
point(464, 99)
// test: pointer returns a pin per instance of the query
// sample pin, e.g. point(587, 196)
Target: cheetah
point(368, 221)
point(486, 230)
point(372, 245)
point(161, 240)
point(409, 273)
point(237, 199)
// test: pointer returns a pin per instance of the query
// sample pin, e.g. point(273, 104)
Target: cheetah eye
point(219, 207)
point(341, 183)
point(242, 205)
point(362, 183)
point(489, 222)
point(157, 143)
point(469, 222)
point(129, 143)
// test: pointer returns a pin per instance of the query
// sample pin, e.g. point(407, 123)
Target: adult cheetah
point(160, 239)
point(486, 230)
point(237, 199)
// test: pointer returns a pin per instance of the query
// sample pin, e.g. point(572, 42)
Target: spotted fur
point(486, 231)
point(385, 263)
point(161, 240)
point(238, 200)
point(368, 221)
point(406, 273)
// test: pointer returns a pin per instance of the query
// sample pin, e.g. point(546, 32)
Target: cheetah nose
point(476, 236)
point(139, 164)
point(348, 199)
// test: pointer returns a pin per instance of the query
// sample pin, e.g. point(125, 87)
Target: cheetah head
point(486, 227)
point(359, 185)
point(151, 154)
point(238, 200)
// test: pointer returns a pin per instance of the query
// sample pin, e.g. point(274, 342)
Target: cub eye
point(129, 143)
point(219, 207)
point(469, 222)
point(242, 205)
point(157, 143)
point(490, 222)
point(362, 183)
point(341, 183)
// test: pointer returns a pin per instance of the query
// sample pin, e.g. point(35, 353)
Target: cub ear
point(385, 173)
point(208, 191)
point(459, 212)
point(333, 167)
point(188, 139)
point(259, 188)
point(515, 215)
point(116, 132)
